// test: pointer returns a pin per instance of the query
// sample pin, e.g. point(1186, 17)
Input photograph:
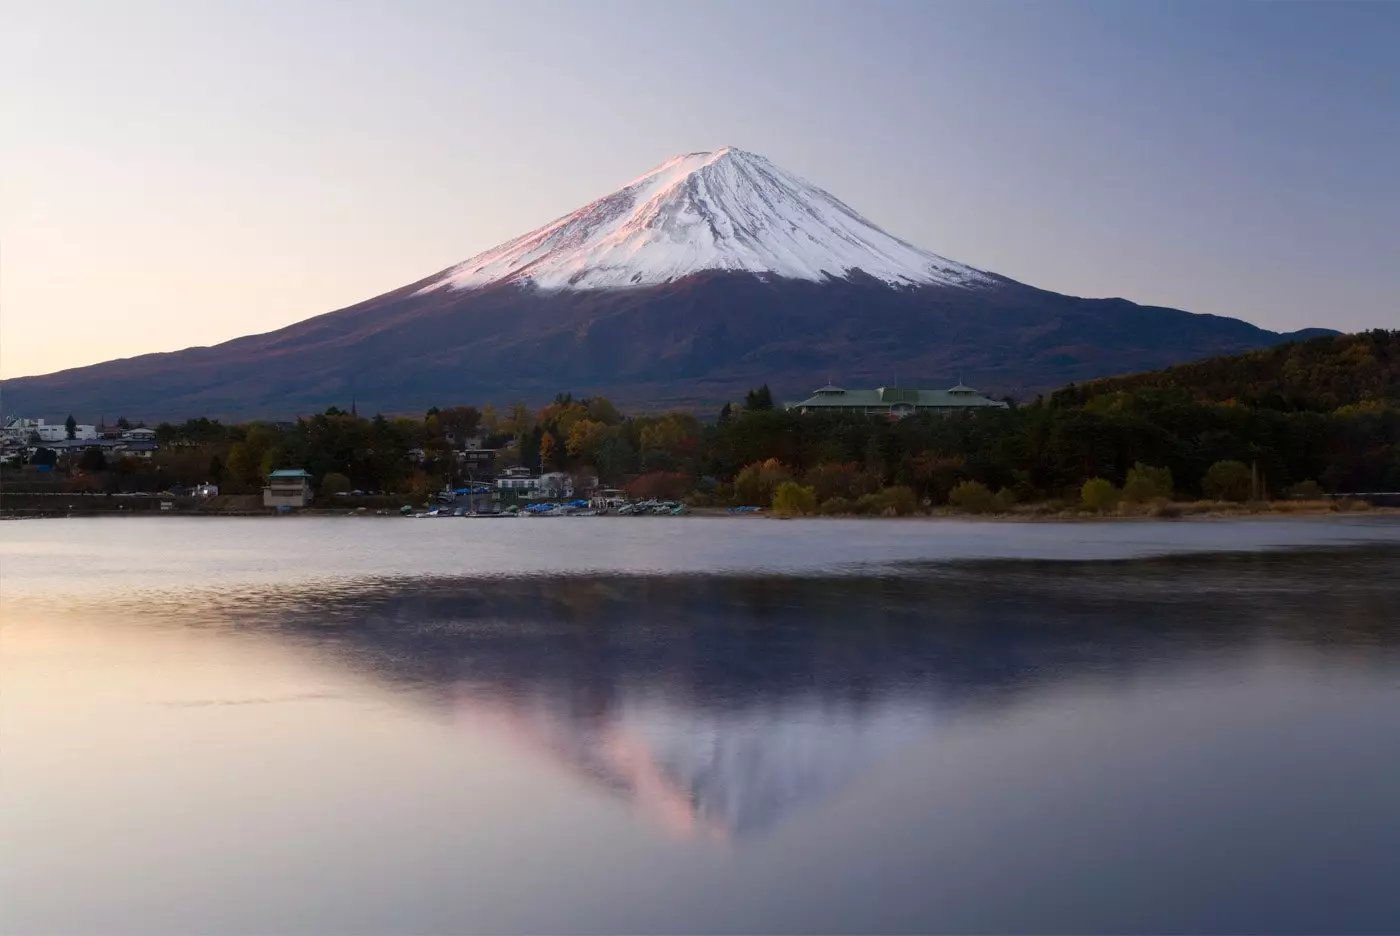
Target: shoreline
point(1190, 512)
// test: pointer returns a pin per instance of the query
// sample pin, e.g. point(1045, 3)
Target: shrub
point(1307, 490)
point(1146, 483)
point(899, 500)
point(335, 483)
point(972, 497)
point(836, 507)
point(1099, 494)
point(93, 460)
point(1228, 481)
point(869, 504)
point(1004, 500)
point(794, 500)
point(1165, 509)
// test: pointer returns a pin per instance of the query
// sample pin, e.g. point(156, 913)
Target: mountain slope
point(712, 273)
point(1320, 374)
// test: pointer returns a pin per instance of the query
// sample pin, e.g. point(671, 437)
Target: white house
point(58, 432)
point(557, 484)
point(518, 481)
point(288, 487)
point(19, 430)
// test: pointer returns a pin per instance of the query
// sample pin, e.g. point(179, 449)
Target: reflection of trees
point(950, 631)
point(582, 663)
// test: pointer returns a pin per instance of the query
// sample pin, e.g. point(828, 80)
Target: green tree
point(794, 500)
point(70, 425)
point(1307, 490)
point(490, 422)
point(601, 409)
point(519, 422)
point(244, 462)
point(335, 483)
point(1146, 483)
point(1228, 480)
point(461, 422)
point(1099, 494)
point(759, 400)
point(274, 458)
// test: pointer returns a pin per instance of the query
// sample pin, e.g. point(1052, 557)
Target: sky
point(180, 172)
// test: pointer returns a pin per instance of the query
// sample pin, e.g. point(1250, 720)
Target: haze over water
point(367, 725)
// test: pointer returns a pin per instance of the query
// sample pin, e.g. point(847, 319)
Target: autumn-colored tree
point(490, 421)
point(828, 480)
point(758, 482)
point(660, 485)
point(548, 451)
point(584, 437)
point(935, 475)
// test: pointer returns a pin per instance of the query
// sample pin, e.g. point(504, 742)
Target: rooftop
point(958, 397)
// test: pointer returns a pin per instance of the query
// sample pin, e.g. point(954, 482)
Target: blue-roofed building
point(288, 487)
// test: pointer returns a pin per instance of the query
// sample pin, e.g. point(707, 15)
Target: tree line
point(1220, 428)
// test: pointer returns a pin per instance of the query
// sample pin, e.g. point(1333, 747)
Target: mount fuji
point(714, 272)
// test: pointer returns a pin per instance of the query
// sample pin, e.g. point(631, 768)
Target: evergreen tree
point(758, 400)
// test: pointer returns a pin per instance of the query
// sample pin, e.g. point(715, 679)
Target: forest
point(1300, 419)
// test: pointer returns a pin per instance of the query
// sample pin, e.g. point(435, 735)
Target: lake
point(376, 725)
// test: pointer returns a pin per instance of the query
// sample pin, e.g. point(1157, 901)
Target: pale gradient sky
point(179, 173)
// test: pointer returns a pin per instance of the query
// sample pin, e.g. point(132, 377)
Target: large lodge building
point(894, 401)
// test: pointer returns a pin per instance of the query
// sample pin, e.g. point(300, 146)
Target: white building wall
point(59, 432)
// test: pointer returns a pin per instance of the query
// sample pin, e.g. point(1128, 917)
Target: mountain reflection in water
point(722, 704)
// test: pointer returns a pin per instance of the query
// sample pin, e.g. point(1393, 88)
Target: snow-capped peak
point(720, 210)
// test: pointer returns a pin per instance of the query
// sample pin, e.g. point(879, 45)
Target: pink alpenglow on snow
point(723, 210)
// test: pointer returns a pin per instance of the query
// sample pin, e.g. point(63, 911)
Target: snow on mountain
point(733, 772)
point(722, 210)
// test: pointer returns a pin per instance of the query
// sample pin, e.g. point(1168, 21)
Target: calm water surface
point(686, 725)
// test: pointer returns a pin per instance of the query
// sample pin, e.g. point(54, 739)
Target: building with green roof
point(287, 488)
point(894, 401)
